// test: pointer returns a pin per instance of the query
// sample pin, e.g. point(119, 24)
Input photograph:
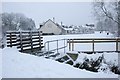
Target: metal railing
point(57, 48)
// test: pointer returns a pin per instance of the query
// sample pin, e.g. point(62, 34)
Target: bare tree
point(16, 21)
point(109, 13)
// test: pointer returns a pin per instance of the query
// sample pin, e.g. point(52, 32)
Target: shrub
point(90, 64)
point(115, 69)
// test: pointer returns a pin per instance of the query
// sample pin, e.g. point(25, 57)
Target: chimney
point(61, 23)
point(53, 19)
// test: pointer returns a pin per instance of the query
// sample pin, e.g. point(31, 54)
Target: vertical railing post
point(45, 47)
point(64, 46)
point(93, 45)
point(72, 45)
point(116, 45)
point(57, 46)
point(69, 45)
point(48, 47)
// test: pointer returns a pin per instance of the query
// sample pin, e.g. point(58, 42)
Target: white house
point(50, 27)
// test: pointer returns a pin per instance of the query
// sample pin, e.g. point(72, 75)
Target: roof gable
point(53, 23)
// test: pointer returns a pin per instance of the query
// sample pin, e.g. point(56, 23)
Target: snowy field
point(20, 65)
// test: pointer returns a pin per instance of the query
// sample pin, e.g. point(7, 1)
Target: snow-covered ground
point(17, 65)
point(20, 65)
point(71, 36)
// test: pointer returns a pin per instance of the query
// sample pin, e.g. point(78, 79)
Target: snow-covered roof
point(70, 29)
point(84, 26)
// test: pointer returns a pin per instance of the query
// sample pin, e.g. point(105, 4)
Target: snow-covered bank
point(20, 65)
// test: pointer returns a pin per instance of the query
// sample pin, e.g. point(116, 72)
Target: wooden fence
point(71, 42)
point(26, 41)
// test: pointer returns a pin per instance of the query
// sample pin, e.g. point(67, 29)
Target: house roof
point(53, 23)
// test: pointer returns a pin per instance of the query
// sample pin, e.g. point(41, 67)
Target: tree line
point(16, 21)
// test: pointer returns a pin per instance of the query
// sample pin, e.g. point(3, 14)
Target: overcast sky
point(70, 13)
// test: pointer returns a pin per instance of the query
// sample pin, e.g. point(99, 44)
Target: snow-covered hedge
point(99, 62)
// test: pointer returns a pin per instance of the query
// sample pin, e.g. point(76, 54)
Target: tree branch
point(106, 13)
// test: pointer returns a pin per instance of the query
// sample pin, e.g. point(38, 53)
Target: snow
point(20, 65)
point(111, 58)
point(72, 36)
point(69, 29)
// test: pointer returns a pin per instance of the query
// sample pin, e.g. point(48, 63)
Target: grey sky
point(70, 13)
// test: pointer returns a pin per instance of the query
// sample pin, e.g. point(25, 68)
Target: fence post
point(116, 45)
point(10, 39)
point(48, 47)
point(21, 45)
point(69, 45)
point(72, 45)
point(31, 41)
point(64, 46)
point(57, 46)
point(39, 33)
point(93, 45)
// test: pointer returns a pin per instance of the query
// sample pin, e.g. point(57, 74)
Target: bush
point(115, 69)
point(91, 65)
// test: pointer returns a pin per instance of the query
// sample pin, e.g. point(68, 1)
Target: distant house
point(87, 29)
point(68, 30)
point(50, 27)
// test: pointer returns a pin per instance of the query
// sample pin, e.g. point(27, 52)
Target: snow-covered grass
point(20, 65)
point(71, 36)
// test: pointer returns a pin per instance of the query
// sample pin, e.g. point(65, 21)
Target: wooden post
point(48, 48)
point(69, 45)
point(21, 45)
point(10, 39)
point(64, 46)
point(57, 46)
point(93, 46)
point(39, 33)
point(72, 45)
point(116, 45)
point(31, 41)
